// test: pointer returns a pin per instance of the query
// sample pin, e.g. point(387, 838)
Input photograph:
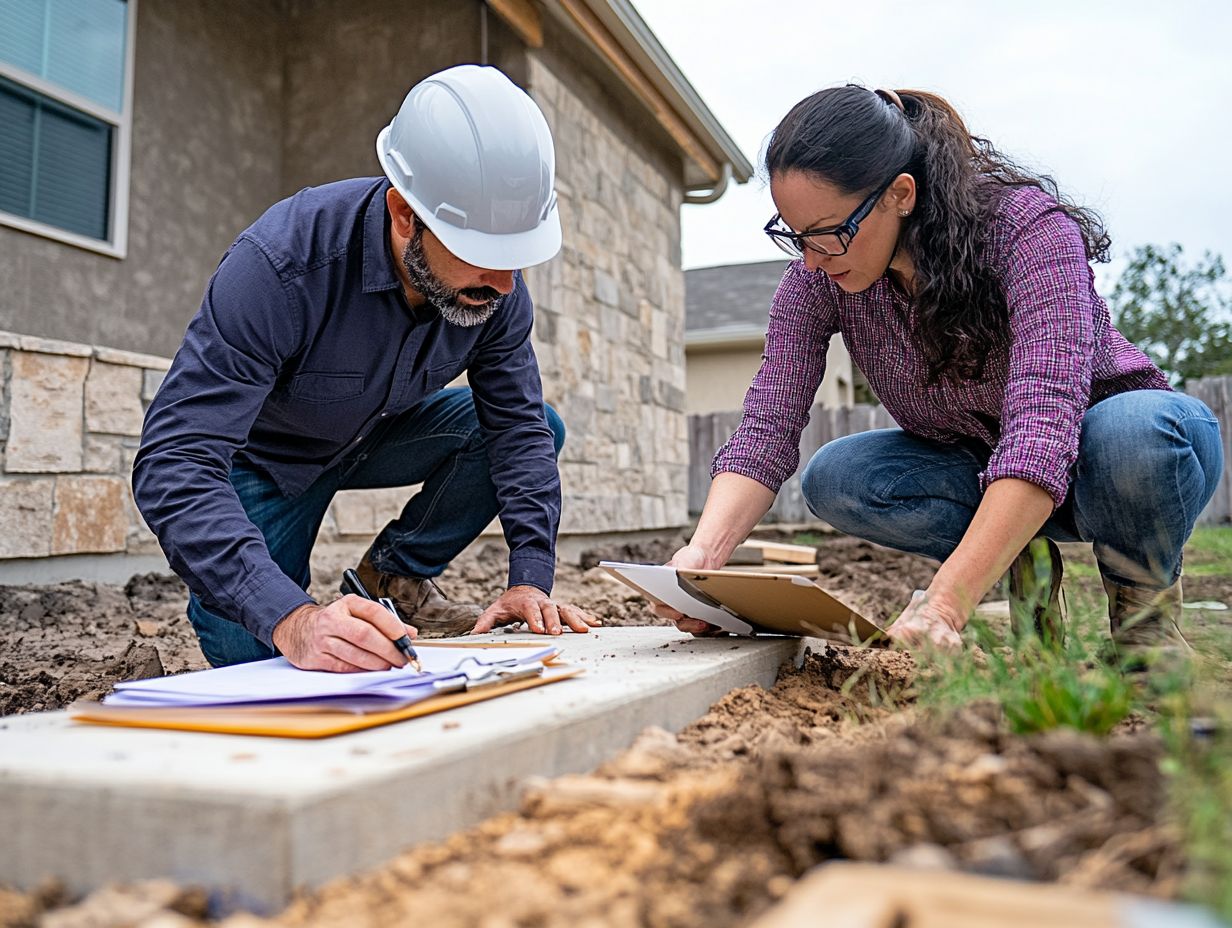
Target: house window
point(65, 115)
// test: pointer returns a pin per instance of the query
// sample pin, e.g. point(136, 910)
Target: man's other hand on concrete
point(542, 614)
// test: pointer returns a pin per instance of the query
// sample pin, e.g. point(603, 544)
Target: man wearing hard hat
point(318, 362)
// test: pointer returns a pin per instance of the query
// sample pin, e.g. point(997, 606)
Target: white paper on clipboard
point(663, 585)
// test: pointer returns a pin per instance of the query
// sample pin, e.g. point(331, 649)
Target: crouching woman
point(962, 287)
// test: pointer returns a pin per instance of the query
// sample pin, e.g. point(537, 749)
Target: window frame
point(116, 243)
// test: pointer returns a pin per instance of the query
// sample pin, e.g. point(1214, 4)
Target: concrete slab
point(255, 818)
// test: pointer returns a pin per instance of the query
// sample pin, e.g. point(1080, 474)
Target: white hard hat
point(472, 155)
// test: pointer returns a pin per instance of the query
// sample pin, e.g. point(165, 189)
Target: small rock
point(569, 793)
point(243, 920)
point(148, 629)
point(167, 920)
point(996, 856)
point(139, 662)
point(521, 844)
point(924, 856)
point(120, 907)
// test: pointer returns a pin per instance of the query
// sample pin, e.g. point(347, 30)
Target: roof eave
point(707, 146)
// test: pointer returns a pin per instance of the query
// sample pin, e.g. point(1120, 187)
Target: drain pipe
point(713, 194)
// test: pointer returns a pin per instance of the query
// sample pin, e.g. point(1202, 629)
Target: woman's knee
point(1130, 436)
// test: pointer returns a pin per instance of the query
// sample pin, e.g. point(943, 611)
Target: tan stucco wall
point(717, 380)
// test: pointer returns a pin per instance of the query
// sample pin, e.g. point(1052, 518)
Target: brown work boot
point(1036, 603)
point(1145, 624)
point(421, 602)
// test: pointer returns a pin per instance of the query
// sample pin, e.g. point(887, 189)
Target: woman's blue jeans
point(1148, 462)
point(437, 443)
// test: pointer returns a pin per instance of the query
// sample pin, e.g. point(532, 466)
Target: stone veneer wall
point(609, 321)
point(70, 422)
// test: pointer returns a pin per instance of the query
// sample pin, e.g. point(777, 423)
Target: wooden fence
point(1216, 392)
point(707, 432)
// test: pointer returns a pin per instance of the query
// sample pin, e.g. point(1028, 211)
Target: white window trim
point(116, 245)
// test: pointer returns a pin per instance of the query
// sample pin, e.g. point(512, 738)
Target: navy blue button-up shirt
point(303, 342)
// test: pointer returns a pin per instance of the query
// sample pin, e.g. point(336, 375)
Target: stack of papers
point(278, 682)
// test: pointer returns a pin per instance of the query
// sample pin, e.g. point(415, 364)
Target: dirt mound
point(75, 640)
point(710, 827)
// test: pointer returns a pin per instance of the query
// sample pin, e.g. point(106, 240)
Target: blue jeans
point(1148, 462)
point(437, 443)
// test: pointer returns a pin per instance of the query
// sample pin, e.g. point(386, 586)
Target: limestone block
point(612, 324)
point(45, 409)
point(113, 399)
point(365, 512)
point(658, 333)
point(104, 455)
point(150, 382)
point(132, 358)
point(33, 343)
point(139, 539)
point(606, 289)
point(25, 517)
point(90, 515)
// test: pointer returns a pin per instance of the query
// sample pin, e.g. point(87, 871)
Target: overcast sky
point(1127, 104)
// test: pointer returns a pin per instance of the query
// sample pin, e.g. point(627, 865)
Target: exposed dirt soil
point(75, 640)
point(712, 826)
point(708, 827)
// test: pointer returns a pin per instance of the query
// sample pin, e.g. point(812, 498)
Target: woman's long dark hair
point(857, 139)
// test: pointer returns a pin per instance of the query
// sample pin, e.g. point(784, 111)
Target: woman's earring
point(904, 213)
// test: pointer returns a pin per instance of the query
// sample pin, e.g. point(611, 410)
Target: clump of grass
point(1039, 686)
point(808, 538)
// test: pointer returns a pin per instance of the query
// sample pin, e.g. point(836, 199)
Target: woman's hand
point(928, 621)
point(690, 557)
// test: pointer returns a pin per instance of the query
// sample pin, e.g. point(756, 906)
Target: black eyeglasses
point(825, 240)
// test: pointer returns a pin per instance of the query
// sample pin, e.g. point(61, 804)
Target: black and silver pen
point(352, 584)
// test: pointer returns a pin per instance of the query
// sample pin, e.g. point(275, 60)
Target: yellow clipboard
point(296, 721)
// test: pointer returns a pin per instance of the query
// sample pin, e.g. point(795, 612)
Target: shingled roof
point(732, 297)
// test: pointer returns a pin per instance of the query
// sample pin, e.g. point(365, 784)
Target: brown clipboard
point(774, 604)
point(783, 604)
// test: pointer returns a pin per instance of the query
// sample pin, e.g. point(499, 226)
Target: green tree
point(1178, 314)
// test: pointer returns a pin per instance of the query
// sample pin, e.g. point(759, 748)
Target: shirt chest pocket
point(440, 375)
point(321, 387)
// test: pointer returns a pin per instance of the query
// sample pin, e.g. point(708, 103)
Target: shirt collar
point(379, 273)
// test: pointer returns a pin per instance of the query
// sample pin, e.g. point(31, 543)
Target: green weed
point(1038, 686)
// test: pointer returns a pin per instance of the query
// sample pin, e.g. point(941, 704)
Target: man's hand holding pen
point(350, 634)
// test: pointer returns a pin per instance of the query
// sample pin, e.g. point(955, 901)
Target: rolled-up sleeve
point(202, 414)
point(1051, 300)
point(766, 445)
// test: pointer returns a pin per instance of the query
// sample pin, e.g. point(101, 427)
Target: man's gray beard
point(444, 298)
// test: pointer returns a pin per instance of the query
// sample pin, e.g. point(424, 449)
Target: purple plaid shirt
point(1059, 356)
